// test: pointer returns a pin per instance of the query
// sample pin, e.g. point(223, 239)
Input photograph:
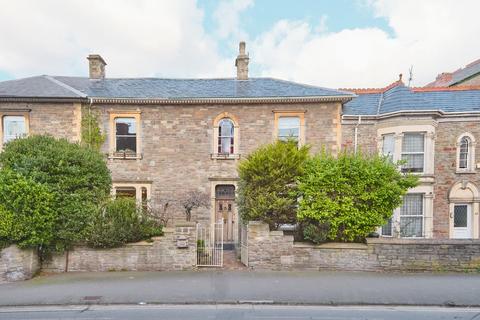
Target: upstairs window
point(388, 146)
point(466, 153)
point(226, 137)
point(288, 128)
point(13, 127)
point(125, 135)
point(413, 152)
point(463, 161)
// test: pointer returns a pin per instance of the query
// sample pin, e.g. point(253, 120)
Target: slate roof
point(155, 88)
point(447, 79)
point(401, 98)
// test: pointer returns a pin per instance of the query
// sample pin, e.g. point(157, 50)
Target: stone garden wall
point(17, 264)
point(272, 250)
point(160, 254)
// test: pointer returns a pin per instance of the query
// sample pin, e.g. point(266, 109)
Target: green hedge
point(267, 189)
point(349, 196)
point(121, 221)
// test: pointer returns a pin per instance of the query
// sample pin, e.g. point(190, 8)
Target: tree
point(349, 196)
point(267, 190)
point(76, 176)
point(191, 200)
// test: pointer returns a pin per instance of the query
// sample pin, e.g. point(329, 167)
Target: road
point(236, 312)
point(226, 287)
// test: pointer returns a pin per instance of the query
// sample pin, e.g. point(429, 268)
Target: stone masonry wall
point(61, 120)
point(271, 250)
point(17, 264)
point(177, 143)
point(161, 254)
point(446, 174)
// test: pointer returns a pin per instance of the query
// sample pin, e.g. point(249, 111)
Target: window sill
point(219, 156)
point(465, 171)
point(120, 156)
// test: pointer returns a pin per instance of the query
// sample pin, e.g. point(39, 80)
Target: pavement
point(233, 287)
point(236, 312)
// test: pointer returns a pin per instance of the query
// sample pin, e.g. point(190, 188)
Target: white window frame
point(24, 114)
point(290, 114)
point(470, 155)
point(422, 216)
point(399, 131)
point(427, 191)
point(416, 152)
point(236, 138)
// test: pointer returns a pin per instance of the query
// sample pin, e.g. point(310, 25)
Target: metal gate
point(210, 245)
point(244, 244)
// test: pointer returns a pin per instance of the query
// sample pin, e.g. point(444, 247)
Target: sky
point(329, 43)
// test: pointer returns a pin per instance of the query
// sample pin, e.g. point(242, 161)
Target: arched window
point(463, 160)
point(226, 136)
point(466, 153)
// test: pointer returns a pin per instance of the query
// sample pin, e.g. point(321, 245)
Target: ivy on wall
point(92, 135)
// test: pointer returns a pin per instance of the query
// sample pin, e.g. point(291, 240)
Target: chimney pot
point(96, 66)
point(242, 62)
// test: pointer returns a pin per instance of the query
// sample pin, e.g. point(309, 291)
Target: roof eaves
point(42, 99)
point(439, 113)
point(341, 98)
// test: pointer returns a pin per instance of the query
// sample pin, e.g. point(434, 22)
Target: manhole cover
point(92, 298)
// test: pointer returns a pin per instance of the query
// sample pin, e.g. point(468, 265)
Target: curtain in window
point(388, 148)
point(225, 136)
point(413, 146)
point(463, 155)
point(13, 127)
point(411, 215)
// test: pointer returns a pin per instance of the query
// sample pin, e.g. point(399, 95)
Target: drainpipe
point(90, 114)
point(356, 134)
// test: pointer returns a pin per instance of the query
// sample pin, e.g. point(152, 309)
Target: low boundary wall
point(160, 254)
point(272, 250)
point(17, 264)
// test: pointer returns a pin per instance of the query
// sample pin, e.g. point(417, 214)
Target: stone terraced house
point(166, 137)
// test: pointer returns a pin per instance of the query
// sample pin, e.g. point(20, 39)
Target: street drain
point(92, 298)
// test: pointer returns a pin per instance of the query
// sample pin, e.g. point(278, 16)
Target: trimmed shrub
point(27, 215)
point(351, 194)
point(267, 190)
point(76, 176)
point(121, 221)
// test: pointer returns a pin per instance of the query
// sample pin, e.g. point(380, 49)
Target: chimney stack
point(96, 66)
point(242, 62)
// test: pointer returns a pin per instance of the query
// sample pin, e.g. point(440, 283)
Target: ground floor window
point(140, 192)
point(408, 220)
point(411, 215)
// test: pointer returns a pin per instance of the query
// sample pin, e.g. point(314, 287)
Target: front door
point(225, 210)
point(462, 221)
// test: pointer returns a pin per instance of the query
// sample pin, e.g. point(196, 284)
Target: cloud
point(431, 35)
point(227, 17)
point(136, 37)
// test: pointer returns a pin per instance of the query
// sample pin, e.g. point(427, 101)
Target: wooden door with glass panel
point(225, 209)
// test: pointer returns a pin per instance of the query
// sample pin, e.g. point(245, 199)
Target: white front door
point(462, 221)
